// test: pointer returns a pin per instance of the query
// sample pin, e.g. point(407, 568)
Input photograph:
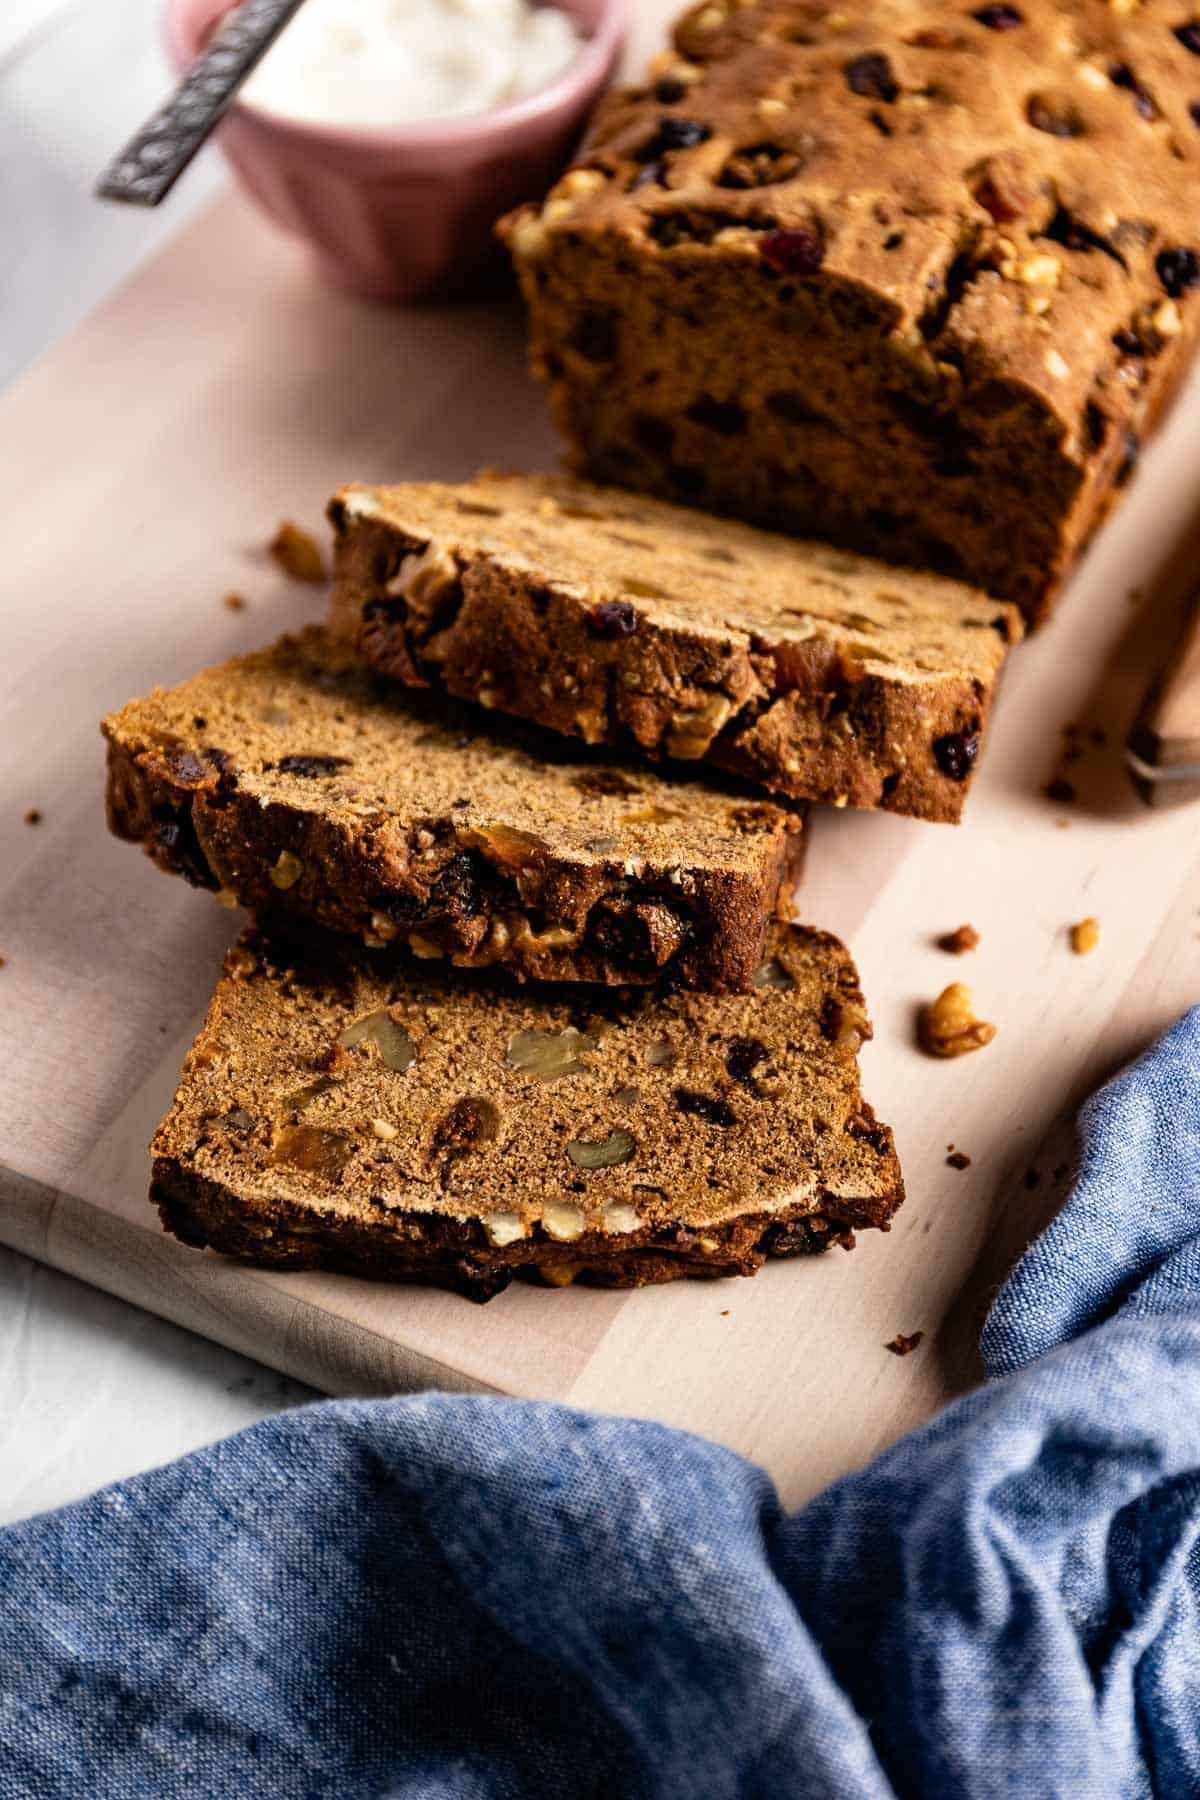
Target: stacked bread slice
point(301, 785)
point(365, 1111)
point(622, 620)
point(520, 828)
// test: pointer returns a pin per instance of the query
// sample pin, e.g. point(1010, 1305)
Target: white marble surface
point(90, 1389)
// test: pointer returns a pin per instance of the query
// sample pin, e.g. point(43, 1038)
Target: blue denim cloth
point(481, 1599)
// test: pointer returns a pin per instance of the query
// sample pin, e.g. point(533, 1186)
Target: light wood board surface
point(145, 464)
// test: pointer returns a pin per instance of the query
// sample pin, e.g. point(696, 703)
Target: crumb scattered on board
point(902, 1345)
point(298, 554)
point(959, 941)
point(948, 1026)
point(33, 816)
point(234, 603)
point(1085, 936)
point(958, 1159)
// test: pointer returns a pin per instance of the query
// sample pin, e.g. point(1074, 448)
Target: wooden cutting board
point(145, 465)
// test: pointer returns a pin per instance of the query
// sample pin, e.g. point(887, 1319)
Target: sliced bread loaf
point(362, 1111)
point(920, 278)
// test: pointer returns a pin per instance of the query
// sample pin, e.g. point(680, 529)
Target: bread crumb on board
point(33, 816)
point(948, 1026)
point(902, 1345)
point(1085, 936)
point(958, 1159)
point(959, 941)
point(234, 603)
point(298, 554)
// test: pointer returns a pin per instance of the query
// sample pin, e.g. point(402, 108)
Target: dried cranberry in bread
point(918, 278)
point(621, 620)
point(349, 1110)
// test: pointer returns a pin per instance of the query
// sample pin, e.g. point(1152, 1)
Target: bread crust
point(213, 1216)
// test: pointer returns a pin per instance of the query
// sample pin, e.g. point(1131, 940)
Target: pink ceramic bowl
point(407, 212)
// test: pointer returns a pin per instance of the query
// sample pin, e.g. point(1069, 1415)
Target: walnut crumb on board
point(298, 554)
point(902, 1345)
point(948, 1026)
point(958, 1159)
point(33, 816)
point(234, 603)
point(959, 941)
point(1085, 936)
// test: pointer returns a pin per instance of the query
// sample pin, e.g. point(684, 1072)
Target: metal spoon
point(152, 162)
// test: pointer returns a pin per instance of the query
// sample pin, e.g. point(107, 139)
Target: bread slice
point(289, 780)
point(349, 1110)
point(626, 621)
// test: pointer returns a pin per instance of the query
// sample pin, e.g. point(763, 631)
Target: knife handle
point(1164, 745)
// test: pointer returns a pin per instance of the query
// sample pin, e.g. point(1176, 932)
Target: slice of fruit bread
point(364, 1111)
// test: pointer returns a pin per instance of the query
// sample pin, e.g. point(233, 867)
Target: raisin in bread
point(291, 781)
point(918, 278)
point(370, 1113)
point(625, 621)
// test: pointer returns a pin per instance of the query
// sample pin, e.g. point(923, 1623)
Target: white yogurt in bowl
point(376, 63)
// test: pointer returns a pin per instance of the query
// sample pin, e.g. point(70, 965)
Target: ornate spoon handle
point(153, 160)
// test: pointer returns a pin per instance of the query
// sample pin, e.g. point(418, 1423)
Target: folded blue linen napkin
point(473, 1599)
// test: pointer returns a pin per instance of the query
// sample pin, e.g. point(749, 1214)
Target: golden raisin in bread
point(298, 783)
point(625, 621)
point(348, 1110)
point(919, 278)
